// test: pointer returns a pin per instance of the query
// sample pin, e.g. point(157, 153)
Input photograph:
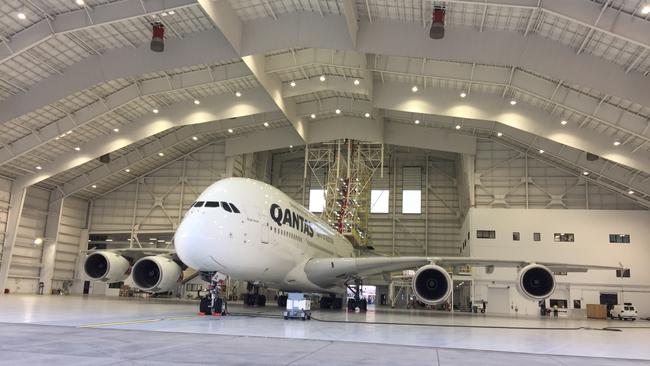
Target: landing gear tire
point(325, 303)
point(352, 304)
point(282, 301)
point(363, 305)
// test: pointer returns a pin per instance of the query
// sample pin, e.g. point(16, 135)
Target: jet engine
point(535, 282)
point(432, 284)
point(106, 266)
point(156, 273)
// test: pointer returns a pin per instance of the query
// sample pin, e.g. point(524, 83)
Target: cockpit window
point(226, 206)
point(234, 208)
point(198, 204)
point(212, 204)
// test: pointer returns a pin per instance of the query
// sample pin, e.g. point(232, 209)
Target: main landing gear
point(357, 301)
point(212, 303)
point(254, 298)
point(331, 302)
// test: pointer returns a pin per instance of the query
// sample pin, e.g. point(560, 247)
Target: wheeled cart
point(297, 307)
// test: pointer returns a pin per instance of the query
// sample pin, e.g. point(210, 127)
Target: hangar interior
point(523, 133)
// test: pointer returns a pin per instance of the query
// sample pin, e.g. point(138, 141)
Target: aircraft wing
point(330, 271)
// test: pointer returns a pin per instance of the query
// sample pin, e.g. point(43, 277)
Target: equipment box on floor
point(298, 307)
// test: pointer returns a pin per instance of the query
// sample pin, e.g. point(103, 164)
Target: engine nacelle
point(432, 284)
point(106, 266)
point(535, 282)
point(156, 274)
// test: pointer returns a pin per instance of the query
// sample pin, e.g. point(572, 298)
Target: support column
point(16, 203)
point(51, 237)
point(230, 166)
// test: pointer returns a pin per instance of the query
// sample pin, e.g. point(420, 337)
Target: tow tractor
point(298, 307)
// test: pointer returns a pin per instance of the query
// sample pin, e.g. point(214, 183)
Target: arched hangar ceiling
point(83, 77)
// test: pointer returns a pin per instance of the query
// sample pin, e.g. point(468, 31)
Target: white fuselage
point(268, 241)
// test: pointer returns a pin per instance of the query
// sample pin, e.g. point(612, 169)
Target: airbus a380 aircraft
point(253, 232)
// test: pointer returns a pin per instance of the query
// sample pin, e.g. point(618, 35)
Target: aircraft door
point(265, 226)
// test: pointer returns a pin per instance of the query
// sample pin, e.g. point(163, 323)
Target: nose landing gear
point(212, 303)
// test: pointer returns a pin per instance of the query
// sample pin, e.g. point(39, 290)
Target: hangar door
point(498, 300)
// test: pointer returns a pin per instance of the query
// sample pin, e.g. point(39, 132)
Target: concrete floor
point(68, 330)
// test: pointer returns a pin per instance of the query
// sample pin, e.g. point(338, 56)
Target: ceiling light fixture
point(161, 154)
point(356, 82)
point(39, 167)
point(164, 14)
point(616, 143)
point(266, 124)
point(197, 102)
point(541, 151)
point(116, 129)
point(417, 121)
point(80, 2)
point(367, 115)
point(585, 173)
point(195, 138)
point(563, 122)
point(645, 10)
point(322, 78)
point(312, 116)
point(230, 130)
point(513, 102)
point(171, 12)
point(94, 186)
point(630, 192)
point(499, 134)
point(463, 94)
point(414, 89)
point(21, 16)
point(338, 111)
point(291, 146)
point(127, 170)
point(292, 83)
point(155, 111)
point(77, 148)
point(458, 127)
point(238, 94)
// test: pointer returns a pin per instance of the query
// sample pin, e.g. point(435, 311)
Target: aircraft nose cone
point(188, 244)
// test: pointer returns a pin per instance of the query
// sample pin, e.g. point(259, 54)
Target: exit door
point(609, 299)
point(265, 227)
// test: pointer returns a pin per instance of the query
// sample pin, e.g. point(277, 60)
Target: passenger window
point(212, 204)
point(234, 209)
point(226, 206)
point(198, 204)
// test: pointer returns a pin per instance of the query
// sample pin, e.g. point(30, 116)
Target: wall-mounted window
point(486, 234)
point(623, 273)
point(316, 200)
point(563, 237)
point(379, 201)
point(411, 190)
point(516, 236)
point(619, 238)
point(537, 237)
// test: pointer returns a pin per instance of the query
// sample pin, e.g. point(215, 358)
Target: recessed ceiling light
point(164, 14)
point(161, 154)
point(463, 94)
point(80, 2)
point(291, 146)
point(356, 82)
point(56, 138)
point(292, 83)
point(616, 143)
point(171, 12)
point(116, 130)
point(338, 111)
point(266, 124)
point(238, 94)
point(94, 186)
point(414, 89)
point(630, 192)
point(322, 78)
point(77, 148)
point(458, 127)
point(585, 173)
point(563, 122)
point(645, 10)
point(155, 110)
point(367, 115)
point(127, 170)
point(39, 167)
point(541, 151)
point(417, 121)
point(230, 130)
point(312, 116)
point(513, 102)
point(195, 138)
point(499, 134)
point(21, 16)
point(197, 102)
point(69, 132)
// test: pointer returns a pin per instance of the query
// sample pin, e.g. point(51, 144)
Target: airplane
point(252, 231)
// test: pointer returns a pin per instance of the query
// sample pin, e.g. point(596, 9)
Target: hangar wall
point(591, 229)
